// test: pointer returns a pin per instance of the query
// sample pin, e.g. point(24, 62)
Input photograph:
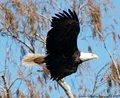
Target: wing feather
point(67, 14)
point(62, 38)
point(62, 44)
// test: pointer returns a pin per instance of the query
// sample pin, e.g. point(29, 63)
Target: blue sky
point(97, 47)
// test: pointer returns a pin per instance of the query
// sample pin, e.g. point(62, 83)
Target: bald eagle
point(62, 55)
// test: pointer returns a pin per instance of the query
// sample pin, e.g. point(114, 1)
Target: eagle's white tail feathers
point(33, 59)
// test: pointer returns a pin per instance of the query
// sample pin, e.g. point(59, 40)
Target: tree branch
point(18, 39)
point(113, 60)
point(6, 88)
point(65, 87)
point(96, 78)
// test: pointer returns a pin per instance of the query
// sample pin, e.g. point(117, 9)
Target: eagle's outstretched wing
point(62, 44)
point(62, 38)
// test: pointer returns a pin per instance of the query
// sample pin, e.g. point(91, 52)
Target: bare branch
point(41, 39)
point(6, 88)
point(66, 87)
point(18, 39)
point(96, 78)
point(44, 16)
point(113, 60)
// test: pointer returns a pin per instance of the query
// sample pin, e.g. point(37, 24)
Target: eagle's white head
point(87, 56)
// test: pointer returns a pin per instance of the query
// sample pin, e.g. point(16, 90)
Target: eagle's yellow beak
point(94, 56)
